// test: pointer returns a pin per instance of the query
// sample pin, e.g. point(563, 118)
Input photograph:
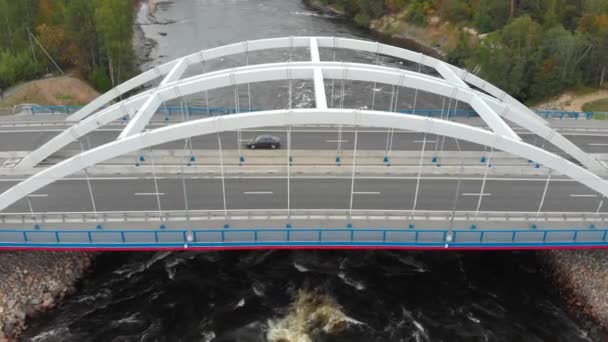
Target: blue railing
point(193, 110)
point(304, 237)
point(564, 114)
point(468, 113)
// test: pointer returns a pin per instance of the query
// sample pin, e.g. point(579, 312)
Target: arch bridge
point(518, 183)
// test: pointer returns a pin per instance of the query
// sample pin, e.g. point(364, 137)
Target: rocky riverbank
point(32, 282)
point(582, 277)
point(394, 30)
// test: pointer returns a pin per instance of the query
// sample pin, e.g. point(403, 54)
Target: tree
point(456, 10)
point(80, 25)
point(417, 12)
point(492, 15)
point(113, 20)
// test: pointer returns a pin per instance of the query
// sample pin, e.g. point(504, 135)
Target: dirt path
point(571, 102)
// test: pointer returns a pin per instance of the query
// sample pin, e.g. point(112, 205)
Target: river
point(300, 295)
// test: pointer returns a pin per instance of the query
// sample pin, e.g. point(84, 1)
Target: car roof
point(265, 136)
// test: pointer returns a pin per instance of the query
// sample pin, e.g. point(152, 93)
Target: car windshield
point(263, 138)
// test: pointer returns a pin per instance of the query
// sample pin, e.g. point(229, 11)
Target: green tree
point(80, 25)
point(113, 20)
point(457, 11)
point(492, 14)
point(417, 12)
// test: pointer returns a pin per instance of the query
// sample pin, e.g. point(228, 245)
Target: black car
point(264, 141)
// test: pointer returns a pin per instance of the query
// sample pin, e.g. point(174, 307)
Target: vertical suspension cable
point(420, 163)
point(457, 142)
point(333, 81)
point(456, 197)
point(289, 105)
point(206, 91)
point(542, 200)
point(395, 102)
point(483, 182)
point(237, 109)
point(29, 205)
point(448, 118)
point(599, 207)
point(207, 103)
point(187, 143)
point(157, 193)
point(390, 130)
point(185, 191)
point(86, 172)
point(344, 74)
point(352, 182)
point(219, 143)
point(447, 112)
point(248, 84)
point(288, 172)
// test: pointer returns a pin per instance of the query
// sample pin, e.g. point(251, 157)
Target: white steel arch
point(363, 118)
point(172, 72)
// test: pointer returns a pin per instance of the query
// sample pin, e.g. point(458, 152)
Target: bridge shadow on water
point(314, 296)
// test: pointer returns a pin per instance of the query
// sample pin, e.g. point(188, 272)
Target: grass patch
point(64, 97)
point(596, 106)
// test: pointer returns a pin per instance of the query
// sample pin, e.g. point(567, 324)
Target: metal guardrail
point(300, 214)
point(195, 110)
point(304, 237)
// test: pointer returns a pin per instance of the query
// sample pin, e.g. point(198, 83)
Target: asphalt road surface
point(139, 194)
point(320, 139)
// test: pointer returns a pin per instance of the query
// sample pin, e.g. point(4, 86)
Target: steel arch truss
point(492, 108)
point(455, 82)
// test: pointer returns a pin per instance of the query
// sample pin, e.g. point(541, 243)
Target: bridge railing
point(304, 237)
point(170, 111)
point(303, 214)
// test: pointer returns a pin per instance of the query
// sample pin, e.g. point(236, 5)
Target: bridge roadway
point(137, 194)
point(29, 138)
point(251, 192)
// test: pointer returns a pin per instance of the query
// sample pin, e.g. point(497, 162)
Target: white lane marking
point(39, 195)
point(149, 194)
point(475, 194)
point(583, 195)
point(510, 179)
point(597, 144)
point(366, 192)
point(258, 192)
point(422, 141)
point(336, 141)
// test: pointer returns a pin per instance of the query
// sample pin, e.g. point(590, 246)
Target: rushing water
point(300, 296)
point(313, 296)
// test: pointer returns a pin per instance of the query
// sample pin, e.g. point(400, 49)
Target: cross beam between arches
point(300, 117)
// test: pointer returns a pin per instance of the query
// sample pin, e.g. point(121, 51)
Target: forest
point(91, 37)
point(532, 49)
